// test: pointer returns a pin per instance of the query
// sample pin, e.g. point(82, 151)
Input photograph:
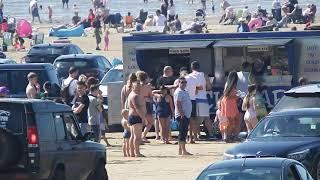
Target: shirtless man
point(33, 87)
point(146, 93)
point(136, 119)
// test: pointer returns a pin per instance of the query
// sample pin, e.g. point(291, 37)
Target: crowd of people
point(81, 93)
point(279, 16)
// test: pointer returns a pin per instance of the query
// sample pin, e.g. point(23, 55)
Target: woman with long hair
point(146, 93)
point(250, 117)
point(229, 108)
point(126, 89)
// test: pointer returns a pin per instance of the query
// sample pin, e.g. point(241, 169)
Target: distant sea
point(19, 8)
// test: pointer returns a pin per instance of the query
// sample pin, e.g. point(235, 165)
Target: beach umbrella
point(24, 28)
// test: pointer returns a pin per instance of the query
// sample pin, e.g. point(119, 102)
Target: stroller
point(201, 15)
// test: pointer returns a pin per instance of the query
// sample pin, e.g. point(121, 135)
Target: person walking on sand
point(34, 10)
point(33, 87)
point(183, 108)
point(136, 119)
point(65, 2)
point(97, 31)
point(249, 105)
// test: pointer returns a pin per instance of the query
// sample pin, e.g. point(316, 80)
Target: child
point(222, 121)
point(126, 133)
point(50, 13)
point(106, 40)
point(248, 105)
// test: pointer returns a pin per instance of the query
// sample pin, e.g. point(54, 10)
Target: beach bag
point(173, 124)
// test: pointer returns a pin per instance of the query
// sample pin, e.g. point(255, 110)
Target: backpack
point(65, 92)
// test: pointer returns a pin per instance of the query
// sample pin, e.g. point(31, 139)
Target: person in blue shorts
point(126, 133)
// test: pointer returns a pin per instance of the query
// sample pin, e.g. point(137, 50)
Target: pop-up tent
point(24, 28)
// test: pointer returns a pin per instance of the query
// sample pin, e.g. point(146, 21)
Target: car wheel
point(100, 173)
point(59, 174)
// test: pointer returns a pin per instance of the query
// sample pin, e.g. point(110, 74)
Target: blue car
point(293, 134)
point(256, 169)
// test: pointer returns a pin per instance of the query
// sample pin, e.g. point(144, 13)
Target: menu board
point(309, 59)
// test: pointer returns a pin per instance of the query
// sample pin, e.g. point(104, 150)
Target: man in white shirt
point(196, 87)
point(159, 19)
point(71, 84)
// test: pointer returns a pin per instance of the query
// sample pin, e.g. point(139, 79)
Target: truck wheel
point(59, 174)
point(100, 173)
point(10, 152)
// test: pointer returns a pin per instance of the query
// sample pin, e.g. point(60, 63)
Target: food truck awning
point(175, 44)
point(255, 42)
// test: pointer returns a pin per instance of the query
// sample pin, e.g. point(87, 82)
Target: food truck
point(278, 59)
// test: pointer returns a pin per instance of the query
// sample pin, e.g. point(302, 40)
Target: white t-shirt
point(195, 79)
point(245, 12)
point(72, 87)
point(159, 20)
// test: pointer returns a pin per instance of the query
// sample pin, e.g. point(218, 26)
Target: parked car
point(88, 64)
point(47, 53)
point(290, 134)
point(14, 77)
point(114, 75)
point(307, 96)
point(7, 61)
point(42, 140)
point(256, 169)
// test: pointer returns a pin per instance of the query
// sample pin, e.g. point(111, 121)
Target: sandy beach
point(161, 161)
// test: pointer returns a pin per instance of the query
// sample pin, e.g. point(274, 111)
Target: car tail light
point(33, 137)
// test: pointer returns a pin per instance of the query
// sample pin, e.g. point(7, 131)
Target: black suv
point(40, 139)
point(14, 77)
point(90, 65)
point(307, 96)
point(47, 53)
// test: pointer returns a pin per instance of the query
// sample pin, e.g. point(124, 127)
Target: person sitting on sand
point(126, 133)
point(148, 22)
point(255, 22)
point(271, 21)
point(76, 18)
point(129, 20)
point(243, 26)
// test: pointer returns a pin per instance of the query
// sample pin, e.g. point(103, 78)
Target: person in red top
point(91, 17)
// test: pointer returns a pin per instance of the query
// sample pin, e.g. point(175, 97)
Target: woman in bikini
point(146, 93)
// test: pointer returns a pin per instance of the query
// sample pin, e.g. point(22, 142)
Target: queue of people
point(82, 94)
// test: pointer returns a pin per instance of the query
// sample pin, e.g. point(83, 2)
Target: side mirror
point(243, 135)
point(89, 136)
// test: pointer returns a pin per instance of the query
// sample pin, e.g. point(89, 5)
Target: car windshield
point(46, 50)
point(114, 75)
point(288, 102)
point(252, 173)
point(287, 126)
point(78, 63)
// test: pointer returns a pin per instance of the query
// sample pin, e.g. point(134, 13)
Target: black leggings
point(183, 124)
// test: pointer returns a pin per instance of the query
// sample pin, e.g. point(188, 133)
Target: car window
point(106, 63)
point(46, 50)
point(78, 63)
point(101, 63)
point(16, 80)
point(288, 126)
point(12, 117)
point(45, 126)
point(113, 75)
point(302, 172)
point(292, 173)
point(247, 173)
point(60, 128)
point(72, 127)
point(78, 50)
point(287, 102)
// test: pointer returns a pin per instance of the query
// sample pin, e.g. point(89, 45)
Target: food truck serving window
point(266, 60)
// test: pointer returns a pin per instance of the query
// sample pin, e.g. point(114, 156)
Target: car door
point(47, 143)
point(65, 152)
point(86, 159)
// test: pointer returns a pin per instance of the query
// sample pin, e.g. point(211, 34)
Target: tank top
point(163, 106)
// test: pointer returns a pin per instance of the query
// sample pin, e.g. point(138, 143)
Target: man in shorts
point(65, 2)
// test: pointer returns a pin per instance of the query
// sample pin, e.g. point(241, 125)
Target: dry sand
point(161, 161)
